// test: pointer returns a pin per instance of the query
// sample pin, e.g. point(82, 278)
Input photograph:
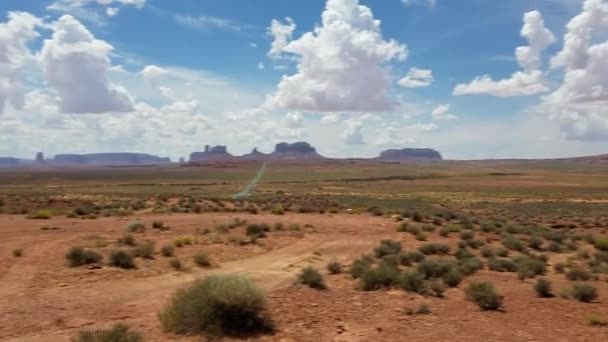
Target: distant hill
point(409, 154)
point(108, 159)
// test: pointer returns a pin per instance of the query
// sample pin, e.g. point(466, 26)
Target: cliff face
point(298, 150)
point(211, 153)
point(410, 154)
point(109, 159)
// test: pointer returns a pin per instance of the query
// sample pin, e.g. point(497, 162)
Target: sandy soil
point(43, 300)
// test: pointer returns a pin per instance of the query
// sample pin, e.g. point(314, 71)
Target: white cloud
point(352, 134)
point(521, 83)
point(76, 64)
point(281, 34)
point(430, 3)
point(151, 73)
point(112, 11)
point(539, 38)
point(93, 10)
point(442, 112)
point(293, 120)
point(330, 118)
point(15, 34)
point(417, 78)
point(341, 64)
point(579, 103)
point(261, 66)
point(206, 23)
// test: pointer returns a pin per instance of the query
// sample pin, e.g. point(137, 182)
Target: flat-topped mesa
point(109, 159)
point(410, 154)
point(9, 161)
point(298, 150)
point(211, 153)
point(256, 155)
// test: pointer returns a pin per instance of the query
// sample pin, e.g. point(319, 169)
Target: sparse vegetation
point(201, 259)
point(78, 256)
point(117, 333)
point(310, 277)
point(122, 259)
point(217, 305)
point(584, 293)
point(484, 294)
point(543, 288)
point(167, 251)
point(334, 267)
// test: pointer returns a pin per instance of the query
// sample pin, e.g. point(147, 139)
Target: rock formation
point(9, 161)
point(409, 154)
point(299, 150)
point(211, 154)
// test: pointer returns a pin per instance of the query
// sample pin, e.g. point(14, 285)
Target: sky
point(473, 79)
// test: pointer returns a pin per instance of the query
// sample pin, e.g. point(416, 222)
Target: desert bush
point(469, 266)
point(415, 256)
point(436, 287)
point(43, 214)
point(167, 251)
point(412, 281)
point(422, 236)
point(488, 252)
point(601, 243)
point(201, 259)
point(145, 250)
point(484, 294)
point(555, 247)
point(529, 267)
point(417, 217)
point(502, 265)
point(434, 248)
point(543, 288)
point(117, 333)
point(463, 253)
point(256, 231)
point(535, 242)
point(78, 256)
point(435, 268)
point(17, 252)
point(176, 264)
point(444, 232)
point(387, 247)
point(422, 309)
point(429, 228)
point(310, 277)
point(392, 260)
point(178, 242)
point(584, 293)
point(187, 240)
point(359, 267)
point(513, 243)
point(127, 240)
point(217, 305)
point(453, 278)
point(577, 273)
point(136, 226)
point(596, 320)
point(468, 235)
point(278, 210)
point(122, 259)
point(334, 267)
point(379, 277)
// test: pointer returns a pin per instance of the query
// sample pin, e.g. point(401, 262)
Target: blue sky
point(167, 77)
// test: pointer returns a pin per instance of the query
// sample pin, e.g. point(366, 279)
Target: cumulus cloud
point(15, 34)
point(93, 10)
point(352, 134)
point(341, 65)
point(442, 112)
point(293, 120)
point(580, 102)
point(417, 78)
point(521, 83)
point(75, 65)
point(281, 34)
point(151, 73)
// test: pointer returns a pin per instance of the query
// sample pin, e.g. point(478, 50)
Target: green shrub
point(453, 278)
point(217, 305)
point(488, 252)
point(136, 226)
point(359, 267)
point(43, 214)
point(78, 256)
point(513, 243)
point(601, 243)
point(596, 320)
point(469, 266)
point(484, 294)
point(535, 242)
point(435, 268)
point(502, 265)
point(422, 236)
point(444, 231)
point(201, 259)
point(576, 274)
point(176, 264)
point(529, 267)
point(412, 281)
point(278, 210)
point(434, 248)
point(158, 225)
point(468, 235)
point(584, 293)
point(145, 250)
point(122, 259)
point(379, 277)
point(310, 277)
point(334, 267)
point(415, 256)
point(543, 288)
point(118, 333)
point(167, 251)
point(127, 240)
point(256, 231)
point(422, 309)
point(387, 247)
point(392, 260)
point(17, 252)
point(555, 247)
point(436, 288)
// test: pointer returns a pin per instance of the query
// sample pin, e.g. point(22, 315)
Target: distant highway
point(252, 184)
